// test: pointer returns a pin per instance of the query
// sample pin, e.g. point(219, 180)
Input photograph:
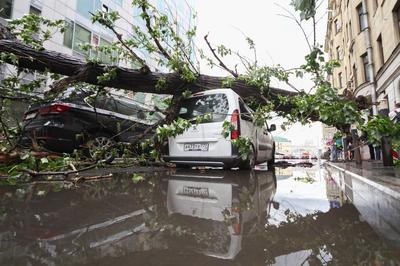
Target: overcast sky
point(278, 40)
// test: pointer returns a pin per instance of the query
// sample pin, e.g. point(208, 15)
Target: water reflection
point(221, 207)
point(192, 217)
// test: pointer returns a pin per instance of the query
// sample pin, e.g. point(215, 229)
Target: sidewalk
point(374, 190)
point(383, 178)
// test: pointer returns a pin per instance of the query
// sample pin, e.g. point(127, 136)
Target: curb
point(395, 194)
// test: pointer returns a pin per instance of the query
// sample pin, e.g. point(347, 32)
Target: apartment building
point(364, 35)
point(81, 30)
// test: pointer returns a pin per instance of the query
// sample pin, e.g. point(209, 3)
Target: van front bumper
point(230, 161)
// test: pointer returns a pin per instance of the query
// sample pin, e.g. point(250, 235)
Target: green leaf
point(136, 178)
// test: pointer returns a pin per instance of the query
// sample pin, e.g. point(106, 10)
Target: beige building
point(364, 35)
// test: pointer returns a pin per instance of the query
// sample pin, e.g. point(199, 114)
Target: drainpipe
point(370, 58)
point(386, 154)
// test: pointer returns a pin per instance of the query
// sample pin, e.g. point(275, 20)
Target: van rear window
point(215, 104)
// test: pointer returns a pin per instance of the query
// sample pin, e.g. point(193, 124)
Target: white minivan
point(204, 144)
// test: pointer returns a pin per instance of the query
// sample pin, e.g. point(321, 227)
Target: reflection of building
point(334, 193)
point(286, 147)
point(327, 133)
point(364, 70)
point(283, 145)
point(283, 173)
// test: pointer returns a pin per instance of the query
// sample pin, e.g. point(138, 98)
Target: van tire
point(250, 162)
point(271, 162)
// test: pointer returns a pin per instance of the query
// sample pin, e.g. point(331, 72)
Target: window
point(82, 36)
point(396, 16)
point(35, 11)
point(69, 34)
point(350, 32)
point(362, 19)
point(365, 62)
point(380, 50)
point(76, 35)
point(6, 7)
point(244, 113)
point(355, 76)
point(340, 78)
point(85, 7)
point(106, 58)
point(337, 26)
point(339, 53)
point(215, 104)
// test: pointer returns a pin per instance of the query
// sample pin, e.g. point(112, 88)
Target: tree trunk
point(127, 79)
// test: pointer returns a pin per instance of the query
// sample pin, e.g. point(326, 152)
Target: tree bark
point(127, 79)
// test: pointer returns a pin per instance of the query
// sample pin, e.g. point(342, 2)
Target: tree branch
point(145, 67)
point(222, 64)
point(153, 35)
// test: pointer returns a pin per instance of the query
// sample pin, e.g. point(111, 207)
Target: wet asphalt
point(281, 216)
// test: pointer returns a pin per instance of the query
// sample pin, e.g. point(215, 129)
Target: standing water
point(285, 216)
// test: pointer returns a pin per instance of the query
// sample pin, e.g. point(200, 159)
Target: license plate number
point(196, 192)
point(195, 147)
point(30, 116)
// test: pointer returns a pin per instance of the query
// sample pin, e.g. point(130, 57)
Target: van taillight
point(235, 133)
point(54, 109)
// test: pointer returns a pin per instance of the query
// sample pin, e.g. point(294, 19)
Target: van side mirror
point(276, 205)
point(272, 127)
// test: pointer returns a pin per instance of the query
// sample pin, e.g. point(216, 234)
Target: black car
point(80, 119)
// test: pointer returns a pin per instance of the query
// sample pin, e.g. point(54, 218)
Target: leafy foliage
point(305, 7)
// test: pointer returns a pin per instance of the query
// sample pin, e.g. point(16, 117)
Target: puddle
point(291, 216)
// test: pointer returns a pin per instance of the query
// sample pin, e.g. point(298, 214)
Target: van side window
point(244, 112)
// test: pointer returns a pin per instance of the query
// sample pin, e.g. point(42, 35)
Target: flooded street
point(285, 216)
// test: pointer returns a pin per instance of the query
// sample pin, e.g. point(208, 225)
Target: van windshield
point(215, 104)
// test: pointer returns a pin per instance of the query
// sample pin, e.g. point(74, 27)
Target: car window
point(245, 112)
point(132, 109)
point(102, 102)
point(74, 95)
point(129, 109)
point(215, 104)
point(243, 109)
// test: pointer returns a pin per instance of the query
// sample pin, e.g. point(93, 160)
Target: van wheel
point(271, 162)
point(250, 162)
point(100, 147)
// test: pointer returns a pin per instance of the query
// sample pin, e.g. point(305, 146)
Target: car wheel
point(271, 162)
point(250, 162)
point(100, 148)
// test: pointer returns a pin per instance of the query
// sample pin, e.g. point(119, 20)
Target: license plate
point(195, 147)
point(30, 116)
point(196, 192)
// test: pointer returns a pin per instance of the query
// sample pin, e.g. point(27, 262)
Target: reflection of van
point(204, 144)
point(224, 207)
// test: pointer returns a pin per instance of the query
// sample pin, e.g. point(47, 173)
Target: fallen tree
point(22, 45)
point(127, 79)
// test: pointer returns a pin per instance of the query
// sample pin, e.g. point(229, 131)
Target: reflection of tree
point(338, 233)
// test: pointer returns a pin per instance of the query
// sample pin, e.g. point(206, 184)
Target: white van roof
point(215, 91)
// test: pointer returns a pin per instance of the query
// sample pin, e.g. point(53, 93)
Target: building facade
point(364, 36)
point(81, 30)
